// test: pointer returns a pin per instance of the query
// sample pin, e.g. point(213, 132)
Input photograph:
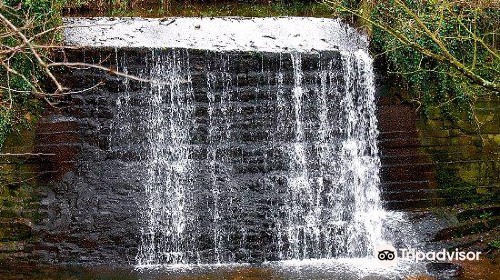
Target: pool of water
point(344, 269)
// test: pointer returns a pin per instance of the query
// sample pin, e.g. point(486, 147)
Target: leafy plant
point(495, 244)
point(445, 51)
point(485, 215)
point(28, 30)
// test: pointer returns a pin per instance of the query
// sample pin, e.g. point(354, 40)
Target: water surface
point(308, 269)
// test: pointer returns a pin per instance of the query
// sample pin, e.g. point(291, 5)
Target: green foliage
point(277, 8)
point(162, 8)
point(495, 244)
point(17, 98)
point(486, 215)
point(5, 123)
point(430, 82)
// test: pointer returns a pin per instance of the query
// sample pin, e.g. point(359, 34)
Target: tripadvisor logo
point(387, 255)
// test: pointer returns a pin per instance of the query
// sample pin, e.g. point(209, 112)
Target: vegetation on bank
point(158, 8)
point(28, 32)
point(445, 53)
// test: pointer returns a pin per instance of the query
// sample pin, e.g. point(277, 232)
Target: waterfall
point(219, 84)
point(163, 237)
point(253, 140)
point(302, 223)
point(332, 203)
point(276, 163)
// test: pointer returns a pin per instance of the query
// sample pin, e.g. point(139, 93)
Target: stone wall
point(439, 159)
point(18, 197)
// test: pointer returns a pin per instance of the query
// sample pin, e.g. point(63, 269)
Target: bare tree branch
point(444, 57)
point(33, 50)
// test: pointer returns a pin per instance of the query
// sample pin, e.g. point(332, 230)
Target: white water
point(332, 205)
point(168, 163)
point(279, 34)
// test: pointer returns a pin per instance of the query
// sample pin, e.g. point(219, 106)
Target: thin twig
point(78, 65)
point(32, 48)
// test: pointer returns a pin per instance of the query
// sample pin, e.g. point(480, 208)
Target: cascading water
point(332, 205)
point(248, 157)
point(324, 133)
point(163, 237)
point(302, 222)
point(219, 137)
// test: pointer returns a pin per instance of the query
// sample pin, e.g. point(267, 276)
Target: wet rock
point(15, 229)
point(444, 269)
point(464, 229)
